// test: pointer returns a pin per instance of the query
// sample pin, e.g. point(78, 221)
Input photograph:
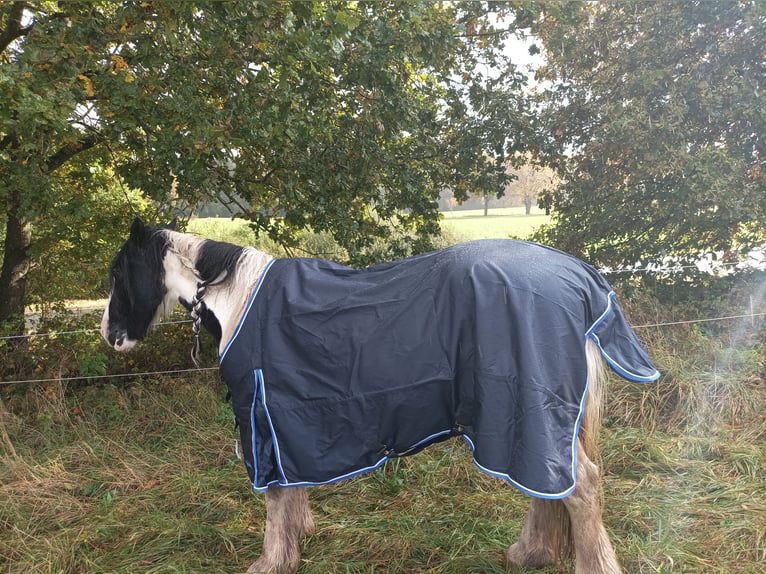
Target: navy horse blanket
point(333, 371)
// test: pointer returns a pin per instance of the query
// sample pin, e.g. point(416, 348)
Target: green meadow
point(501, 222)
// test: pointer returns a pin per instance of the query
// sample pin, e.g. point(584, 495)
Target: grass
point(143, 477)
point(501, 222)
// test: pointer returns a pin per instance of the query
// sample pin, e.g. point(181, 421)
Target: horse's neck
point(226, 300)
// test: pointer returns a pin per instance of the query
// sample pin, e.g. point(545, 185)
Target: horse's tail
point(590, 425)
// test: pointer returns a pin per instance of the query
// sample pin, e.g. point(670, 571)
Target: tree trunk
point(486, 204)
point(13, 277)
point(528, 205)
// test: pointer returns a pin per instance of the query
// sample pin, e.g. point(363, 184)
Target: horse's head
point(137, 287)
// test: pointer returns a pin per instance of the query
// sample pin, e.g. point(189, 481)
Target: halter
point(196, 314)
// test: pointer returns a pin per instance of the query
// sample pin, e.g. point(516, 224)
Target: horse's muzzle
point(115, 338)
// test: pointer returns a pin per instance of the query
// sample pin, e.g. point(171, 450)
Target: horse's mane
point(215, 262)
point(217, 259)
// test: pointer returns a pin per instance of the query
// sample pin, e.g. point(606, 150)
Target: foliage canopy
point(343, 116)
point(349, 117)
point(656, 115)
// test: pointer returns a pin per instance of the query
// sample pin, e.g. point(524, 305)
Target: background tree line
point(351, 118)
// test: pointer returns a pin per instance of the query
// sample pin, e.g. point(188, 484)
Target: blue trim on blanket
point(529, 491)
point(277, 454)
point(622, 371)
point(512, 482)
point(609, 299)
point(252, 430)
point(625, 374)
point(246, 311)
point(283, 482)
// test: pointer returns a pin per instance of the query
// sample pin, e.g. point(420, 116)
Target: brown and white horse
point(159, 267)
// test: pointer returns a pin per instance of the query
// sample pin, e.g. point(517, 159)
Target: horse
point(333, 371)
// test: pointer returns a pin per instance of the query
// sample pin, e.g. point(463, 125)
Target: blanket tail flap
point(620, 347)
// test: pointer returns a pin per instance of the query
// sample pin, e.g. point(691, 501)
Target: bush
point(239, 232)
point(76, 357)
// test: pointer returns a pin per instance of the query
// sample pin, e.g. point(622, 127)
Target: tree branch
point(13, 29)
point(7, 141)
point(70, 150)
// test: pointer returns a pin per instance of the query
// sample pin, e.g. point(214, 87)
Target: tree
point(529, 181)
point(343, 116)
point(657, 118)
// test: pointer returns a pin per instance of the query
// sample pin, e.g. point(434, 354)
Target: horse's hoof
point(262, 566)
point(526, 557)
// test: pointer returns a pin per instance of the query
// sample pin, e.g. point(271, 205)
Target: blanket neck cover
point(333, 371)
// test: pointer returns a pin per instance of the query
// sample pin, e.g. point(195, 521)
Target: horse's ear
point(173, 224)
point(137, 229)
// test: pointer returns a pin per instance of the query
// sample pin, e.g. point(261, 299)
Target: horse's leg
point(288, 520)
point(544, 537)
point(547, 535)
point(593, 550)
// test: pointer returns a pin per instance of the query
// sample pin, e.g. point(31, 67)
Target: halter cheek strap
point(196, 315)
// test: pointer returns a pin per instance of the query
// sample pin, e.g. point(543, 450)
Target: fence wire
point(177, 372)
point(76, 331)
point(713, 267)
